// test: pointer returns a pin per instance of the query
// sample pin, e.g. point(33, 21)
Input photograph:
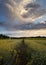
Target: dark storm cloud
point(39, 26)
point(8, 9)
point(28, 26)
point(34, 10)
point(32, 5)
point(3, 24)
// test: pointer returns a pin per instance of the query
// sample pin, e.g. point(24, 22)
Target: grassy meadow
point(37, 46)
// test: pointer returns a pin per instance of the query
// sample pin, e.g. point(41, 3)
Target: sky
point(23, 18)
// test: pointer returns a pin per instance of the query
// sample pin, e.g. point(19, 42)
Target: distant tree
point(3, 36)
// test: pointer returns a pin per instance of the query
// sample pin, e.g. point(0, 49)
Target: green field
point(38, 47)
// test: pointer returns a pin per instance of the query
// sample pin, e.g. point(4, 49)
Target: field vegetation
point(28, 51)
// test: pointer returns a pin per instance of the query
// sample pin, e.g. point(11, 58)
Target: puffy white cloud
point(42, 22)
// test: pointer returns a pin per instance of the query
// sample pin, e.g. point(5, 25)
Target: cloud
point(25, 33)
point(43, 22)
point(24, 10)
point(34, 11)
point(20, 12)
point(32, 5)
point(7, 8)
point(28, 26)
